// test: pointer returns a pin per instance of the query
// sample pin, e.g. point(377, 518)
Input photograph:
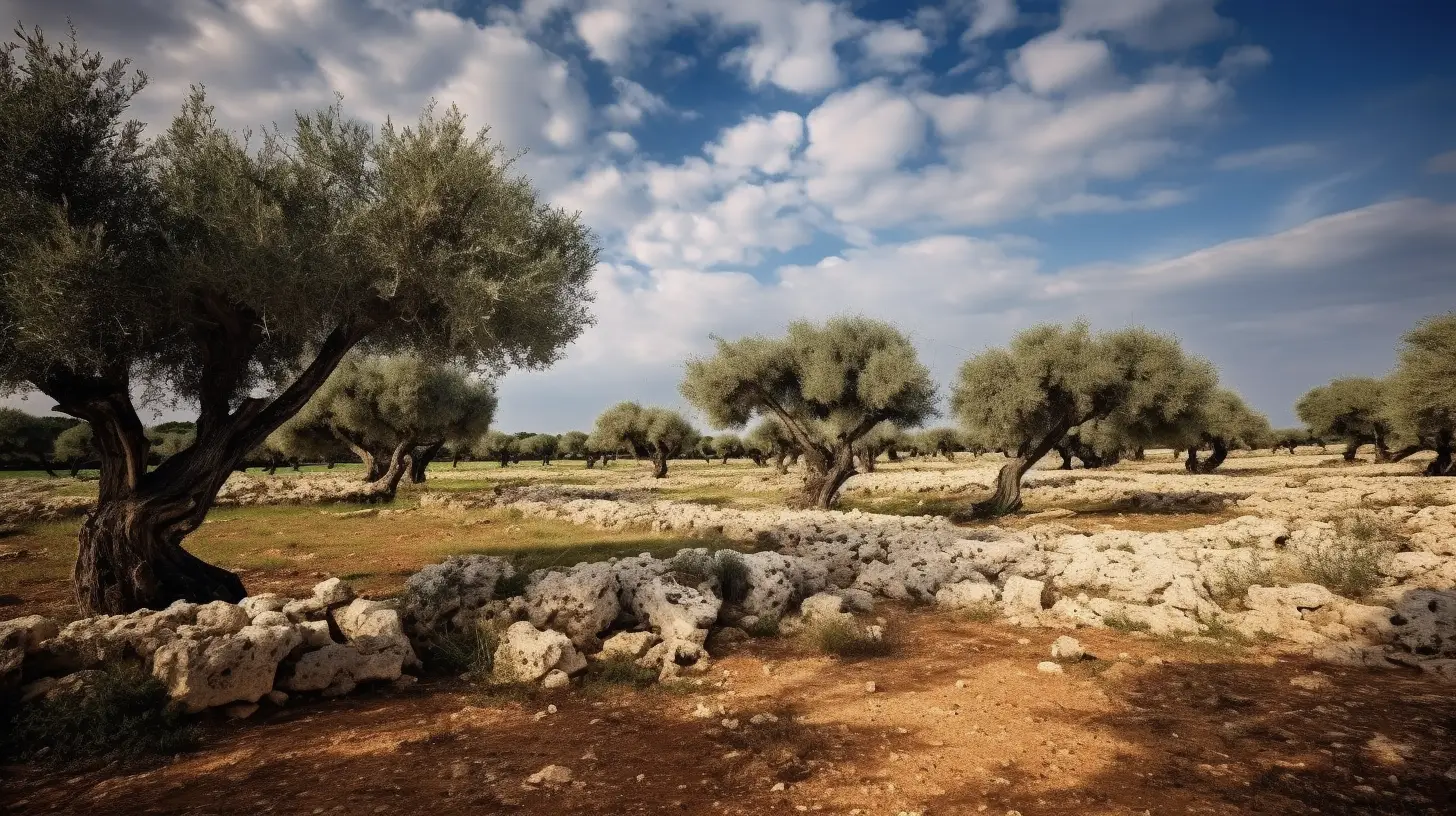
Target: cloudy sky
point(1275, 182)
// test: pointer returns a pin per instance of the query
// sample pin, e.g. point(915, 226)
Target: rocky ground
point(1277, 637)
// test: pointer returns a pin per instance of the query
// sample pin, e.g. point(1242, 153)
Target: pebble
point(1067, 648)
point(1048, 667)
point(870, 687)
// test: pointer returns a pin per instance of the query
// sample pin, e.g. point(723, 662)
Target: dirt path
point(1170, 728)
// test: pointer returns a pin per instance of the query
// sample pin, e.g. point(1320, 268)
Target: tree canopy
point(572, 444)
point(1051, 379)
point(827, 385)
point(1422, 390)
point(234, 275)
point(1348, 408)
point(495, 446)
point(387, 408)
point(654, 433)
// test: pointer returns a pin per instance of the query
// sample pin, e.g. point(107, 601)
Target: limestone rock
point(822, 605)
point(226, 669)
point(452, 595)
point(555, 679)
point(551, 775)
point(1022, 595)
point(221, 618)
point(581, 602)
point(255, 605)
point(1067, 648)
point(967, 594)
point(628, 645)
point(526, 654)
point(333, 592)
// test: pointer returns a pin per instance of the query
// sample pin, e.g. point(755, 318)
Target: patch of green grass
point(471, 652)
point(908, 504)
point(1346, 567)
point(1236, 574)
point(123, 712)
point(764, 626)
point(1122, 623)
point(844, 637)
point(982, 612)
point(618, 671)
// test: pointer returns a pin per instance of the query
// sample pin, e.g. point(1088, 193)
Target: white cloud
point(1244, 59)
point(621, 140)
point(1442, 163)
point(763, 144)
point(634, 103)
point(1153, 25)
point(894, 48)
point(1053, 63)
point(1272, 156)
point(988, 17)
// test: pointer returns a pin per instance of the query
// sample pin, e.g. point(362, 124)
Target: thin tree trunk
point(1192, 464)
point(1350, 450)
point(1138, 454)
point(420, 460)
point(659, 465)
point(867, 459)
point(1007, 498)
point(1066, 454)
point(779, 458)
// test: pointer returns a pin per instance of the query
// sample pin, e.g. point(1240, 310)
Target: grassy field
point(287, 549)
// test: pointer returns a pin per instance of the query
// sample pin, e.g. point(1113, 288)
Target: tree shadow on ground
point(1236, 737)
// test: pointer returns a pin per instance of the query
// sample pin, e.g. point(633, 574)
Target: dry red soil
point(1167, 728)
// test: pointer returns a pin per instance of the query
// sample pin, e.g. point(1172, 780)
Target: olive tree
point(75, 446)
point(235, 275)
point(882, 438)
point(940, 442)
point(769, 438)
point(1349, 408)
point(650, 433)
point(1422, 390)
point(538, 446)
point(572, 445)
point(495, 446)
point(28, 438)
point(1291, 438)
point(396, 412)
point(1225, 422)
point(727, 446)
point(827, 385)
point(1051, 379)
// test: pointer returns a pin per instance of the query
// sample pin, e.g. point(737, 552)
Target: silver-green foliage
point(827, 385)
point(654, 433)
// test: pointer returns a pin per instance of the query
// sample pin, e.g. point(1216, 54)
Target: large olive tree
point(827, 385)
point(235, 276)
point(495, 446)
point(650, 433)
point(1422, 390)
point(1349, 408)
point(538, 446)
point(1225, 422)
point(1051, 379)
point(572, 445)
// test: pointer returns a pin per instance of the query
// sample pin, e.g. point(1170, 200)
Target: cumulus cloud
point(1153, 25)
point(1053, 62)
point(894, 48)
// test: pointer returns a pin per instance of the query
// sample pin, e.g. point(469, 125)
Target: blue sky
point(1272, 181)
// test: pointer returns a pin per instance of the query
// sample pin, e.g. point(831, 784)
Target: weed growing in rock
point(1122, 623)
point(844, 637)
point(983, 612)
point(1348, 567)
point(1236, 574)
point(471, 652)
point(619, 671)
point(764, 626)
point(119, 710)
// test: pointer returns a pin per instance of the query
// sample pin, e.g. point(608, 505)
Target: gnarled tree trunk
point(386, 487)
point(1007, 498)
point(824, 475)
point(1442, 465)
point(1351, 448)
point(1220, 453)
point(659, 465)
point(420, 460)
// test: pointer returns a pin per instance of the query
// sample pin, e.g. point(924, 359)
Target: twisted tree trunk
point(1066, 454)
point(1220, 453)
point(421, 458)
point(1351, 448)
point(387, 485)
point(659, 464)
point(1442, 465)
point(825, 475)
point(1007, 498)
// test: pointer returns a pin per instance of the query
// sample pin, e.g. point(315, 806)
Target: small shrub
point(122, 711)
point(471, 652)
point(1235, 575)
point(732, 573)
point(620, 671)
point(981, 612)
point(844, 637)
point(765, 626)
point(1350, 567)
point(1368, 528)
point(1122, 623)
point(512, 586)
